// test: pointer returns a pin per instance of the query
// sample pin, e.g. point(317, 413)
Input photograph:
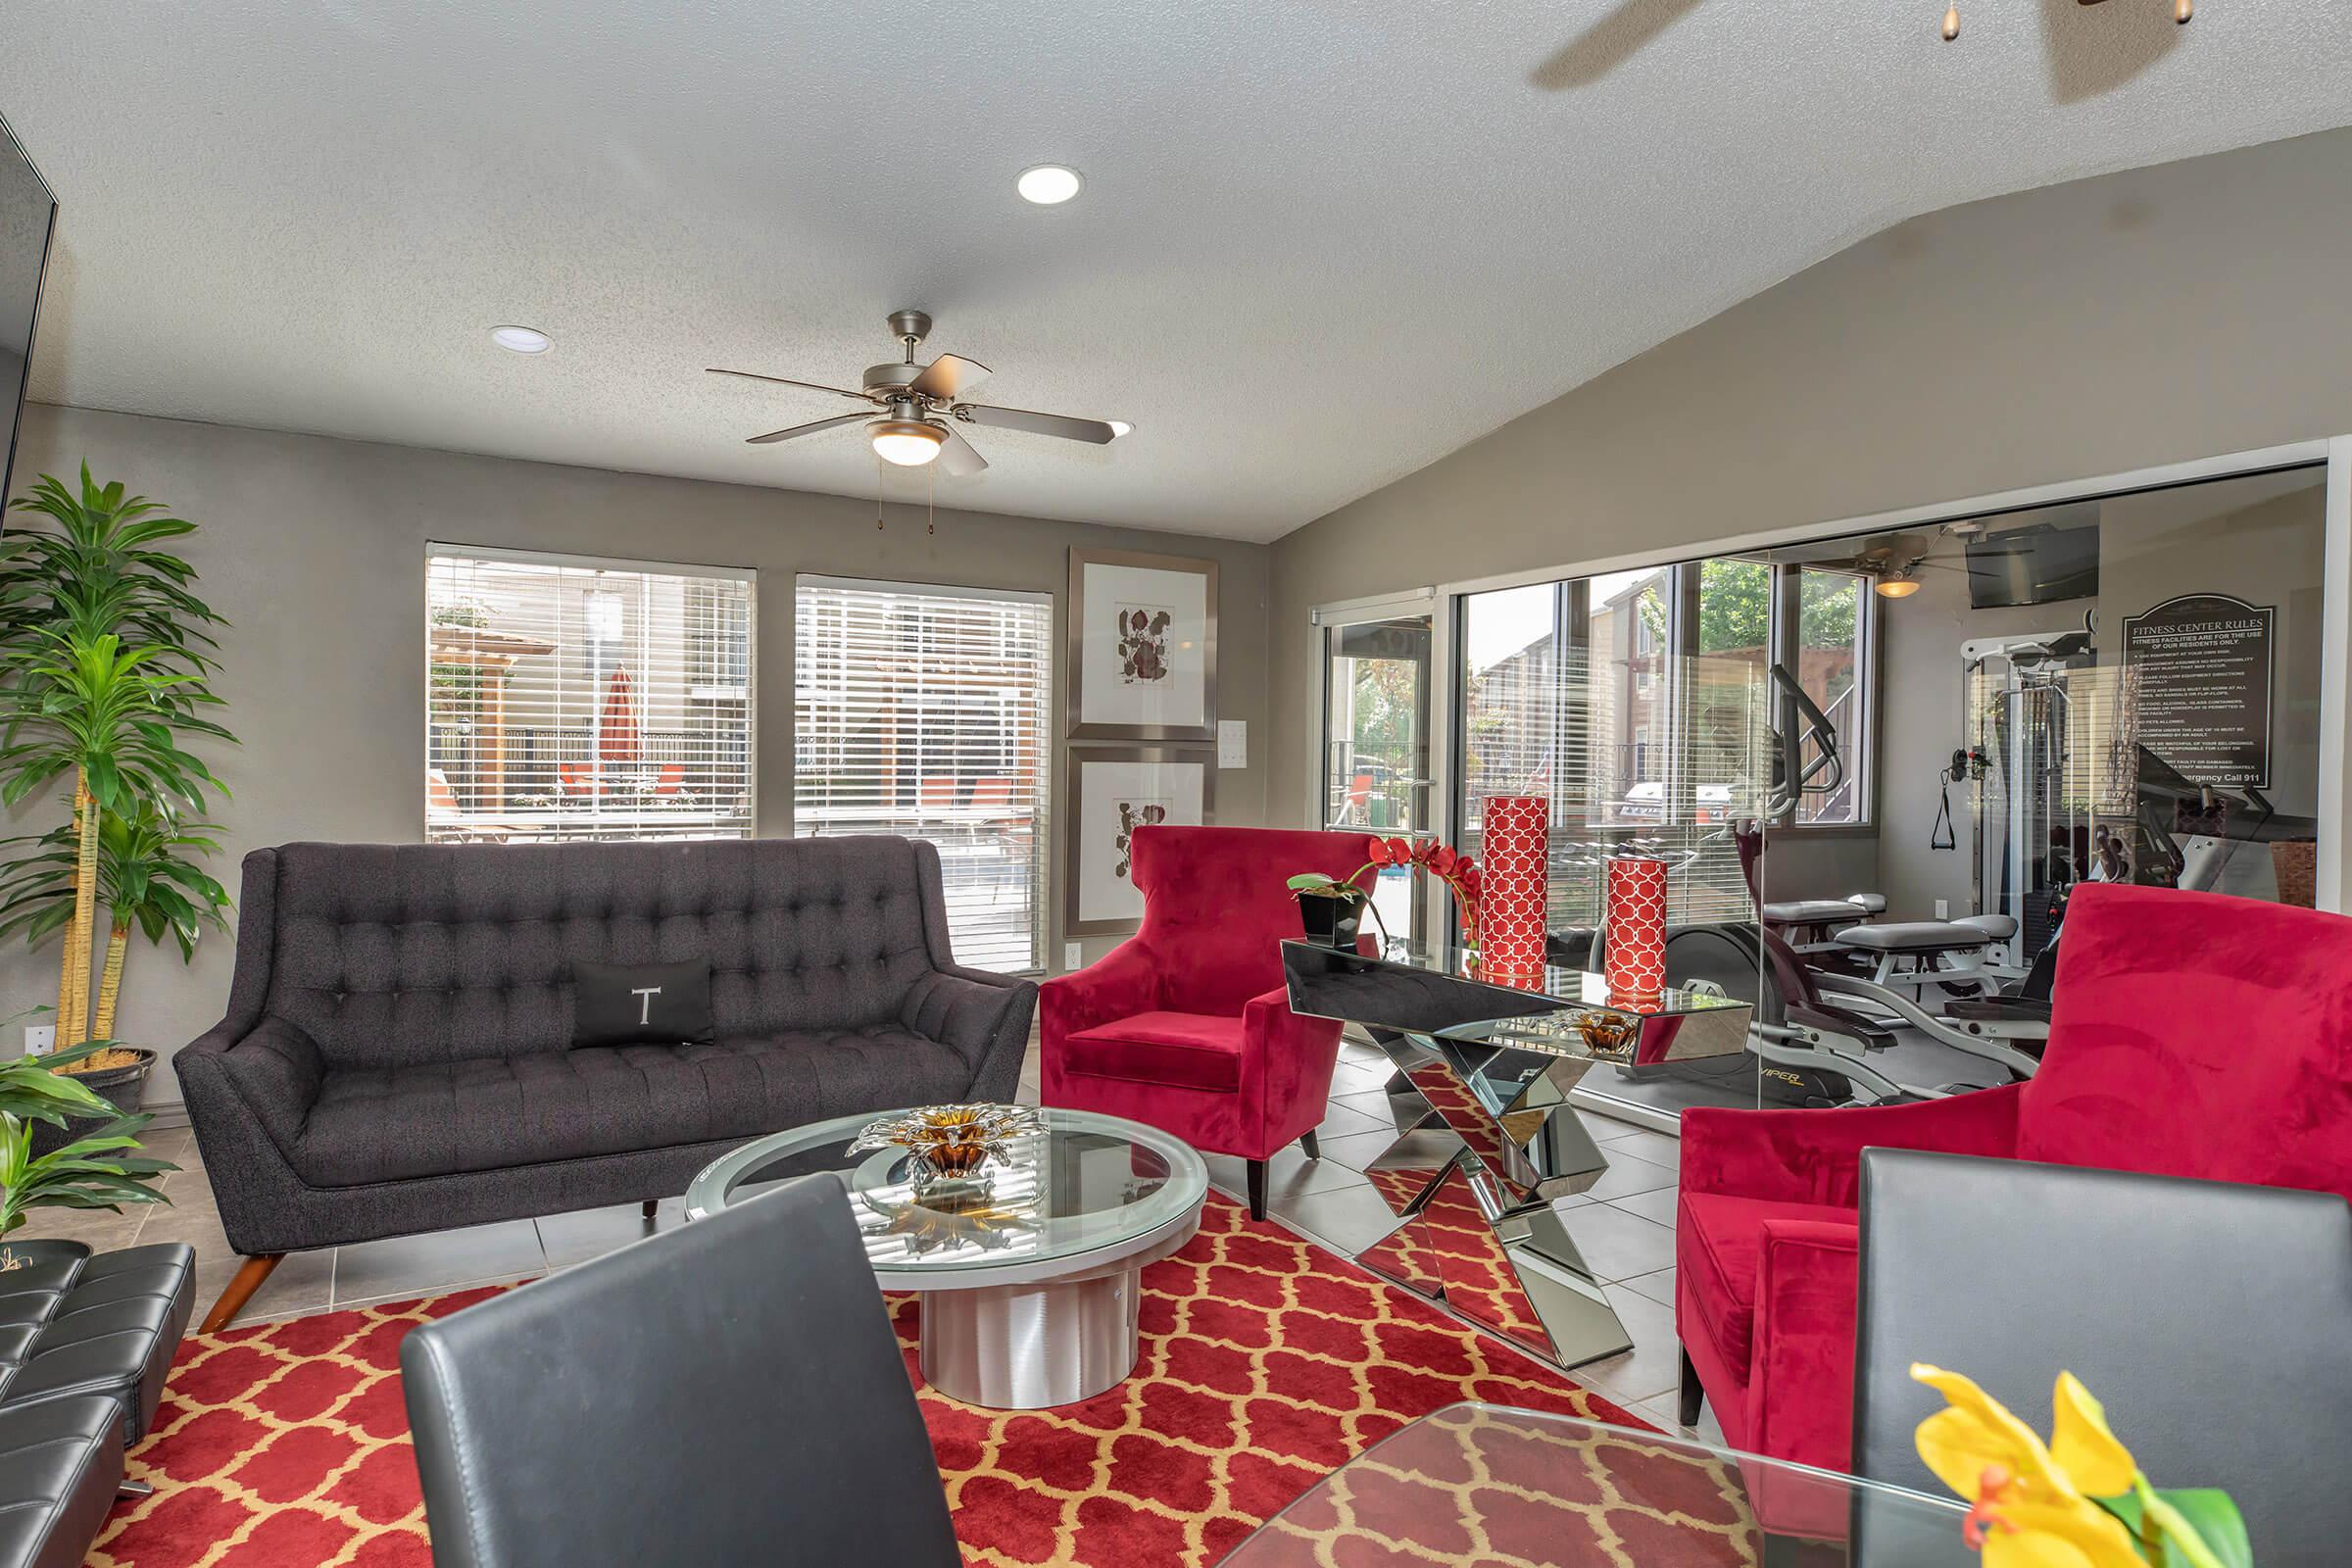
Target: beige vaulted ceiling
point(1320, 244)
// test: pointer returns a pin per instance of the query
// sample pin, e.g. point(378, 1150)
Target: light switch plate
point(1233, 743)
point(1943, 909)
point(39, 1038)
point(1072, 956)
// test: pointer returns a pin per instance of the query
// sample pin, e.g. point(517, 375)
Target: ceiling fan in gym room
point(912, 410)
point(1893, 561)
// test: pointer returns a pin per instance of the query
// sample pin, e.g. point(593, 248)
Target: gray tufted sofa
point(397, 1054)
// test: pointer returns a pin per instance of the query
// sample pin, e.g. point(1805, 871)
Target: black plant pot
point(1331, 921)
point(125, 1087)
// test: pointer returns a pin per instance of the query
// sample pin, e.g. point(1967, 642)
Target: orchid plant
point(2079, 1500)
point(1457, 871)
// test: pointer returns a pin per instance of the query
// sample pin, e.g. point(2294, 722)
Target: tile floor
point(1625, 1226)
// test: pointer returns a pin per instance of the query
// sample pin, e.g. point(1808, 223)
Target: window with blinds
point(923, 711)
point(1632, 703)
point(573, 697)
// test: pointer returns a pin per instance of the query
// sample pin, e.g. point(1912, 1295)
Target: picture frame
point(1112, 790)
point(1142, 647)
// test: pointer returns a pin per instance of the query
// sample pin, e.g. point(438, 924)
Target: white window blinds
point(923, 711)
point(570, 698)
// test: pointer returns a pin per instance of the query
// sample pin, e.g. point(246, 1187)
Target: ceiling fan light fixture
point(1119, 427)
point(908, 443)
point(1048, 184)
point(1896, 587)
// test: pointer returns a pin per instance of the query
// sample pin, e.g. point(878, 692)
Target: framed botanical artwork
point(1113, 789)
point(1142, 647)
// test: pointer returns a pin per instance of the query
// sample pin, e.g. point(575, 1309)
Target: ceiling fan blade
point(810, 428)
point(959, 457)
point(949, 376)
point(1098, 431)
point(785, 381)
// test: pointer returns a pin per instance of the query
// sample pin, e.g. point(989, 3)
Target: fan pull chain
point(2183, 11)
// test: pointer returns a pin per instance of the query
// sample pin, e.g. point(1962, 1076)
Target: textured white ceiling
point(1320, 243)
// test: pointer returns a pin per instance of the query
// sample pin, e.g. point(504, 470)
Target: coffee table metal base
point(1029, 1346)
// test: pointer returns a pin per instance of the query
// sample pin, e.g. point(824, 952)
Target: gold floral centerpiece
point(950, 1144)
point(2076, 1502)
point(1607, 1034)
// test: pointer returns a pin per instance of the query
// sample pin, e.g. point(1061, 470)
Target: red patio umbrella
point(616, 725)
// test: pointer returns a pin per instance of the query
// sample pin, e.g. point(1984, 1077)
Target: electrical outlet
point(1943, 909)
point(1072, 956)
point(39, 1038)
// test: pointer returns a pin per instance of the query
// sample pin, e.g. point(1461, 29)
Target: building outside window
point(574, 698)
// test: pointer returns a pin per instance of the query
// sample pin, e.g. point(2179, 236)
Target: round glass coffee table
point(1029, 1279)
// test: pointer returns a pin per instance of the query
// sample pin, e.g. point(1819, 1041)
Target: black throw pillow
point(629, 1003)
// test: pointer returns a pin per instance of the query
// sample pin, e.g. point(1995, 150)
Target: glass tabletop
point(1088, 1189)
point(1478, 1485)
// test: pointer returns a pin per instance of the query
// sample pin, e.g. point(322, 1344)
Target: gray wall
point(314, 549)
point(2088, 329)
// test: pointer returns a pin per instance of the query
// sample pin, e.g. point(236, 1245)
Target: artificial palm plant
point(148, 878)
point(105, 664)
point(100, 1170)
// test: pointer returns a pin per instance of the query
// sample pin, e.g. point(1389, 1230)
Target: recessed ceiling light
point(522, 339)
point(1047, 184)
point(1121, 428)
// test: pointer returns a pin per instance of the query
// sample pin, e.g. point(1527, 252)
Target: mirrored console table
point(1492, 1057)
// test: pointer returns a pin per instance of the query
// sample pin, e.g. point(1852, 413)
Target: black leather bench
point(86, 1341)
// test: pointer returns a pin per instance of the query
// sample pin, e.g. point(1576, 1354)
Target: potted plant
point(1332, 908)
point(98, 1171)
point(105, 663)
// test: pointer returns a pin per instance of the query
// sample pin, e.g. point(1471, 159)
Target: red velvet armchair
point(2194, 1035)
point(1187, 1025)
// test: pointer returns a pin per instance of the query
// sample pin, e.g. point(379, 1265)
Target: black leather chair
point(729, 1391)
point(2213, 1321)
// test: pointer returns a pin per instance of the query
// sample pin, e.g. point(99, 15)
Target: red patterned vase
point(1636, 962)
point(1514, 853)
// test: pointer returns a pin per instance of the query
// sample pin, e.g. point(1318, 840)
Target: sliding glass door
point(1376, 757)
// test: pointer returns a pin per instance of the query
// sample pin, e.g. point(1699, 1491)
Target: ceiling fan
point(917, 404)
point(1893, 561)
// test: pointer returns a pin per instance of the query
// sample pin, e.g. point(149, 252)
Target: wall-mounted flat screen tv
point(27, 214)
point(2033, 565)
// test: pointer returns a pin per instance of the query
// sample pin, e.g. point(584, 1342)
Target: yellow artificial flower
point(2028, 1510)
point(2082, 1445)
point(2027, 1535)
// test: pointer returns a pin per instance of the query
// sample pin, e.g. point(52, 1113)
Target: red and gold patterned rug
point(1267, 1361)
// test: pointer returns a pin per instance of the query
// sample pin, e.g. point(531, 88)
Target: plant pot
point(1331, 921)
point(125, 1087)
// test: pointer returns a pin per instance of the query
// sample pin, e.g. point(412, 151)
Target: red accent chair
point(2192, 1035)
point(1187, 1025)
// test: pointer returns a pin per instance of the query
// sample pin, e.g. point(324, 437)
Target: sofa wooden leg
point(1311, 1143)
point(1257, 1189)
point(1693, 1395)
point(648, 1207)
point(240, 1291)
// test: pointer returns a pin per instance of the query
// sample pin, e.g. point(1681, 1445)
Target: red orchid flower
point(1401, 852)
point(1442, 860)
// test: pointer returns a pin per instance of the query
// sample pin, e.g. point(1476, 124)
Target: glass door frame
point(1429, 908)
